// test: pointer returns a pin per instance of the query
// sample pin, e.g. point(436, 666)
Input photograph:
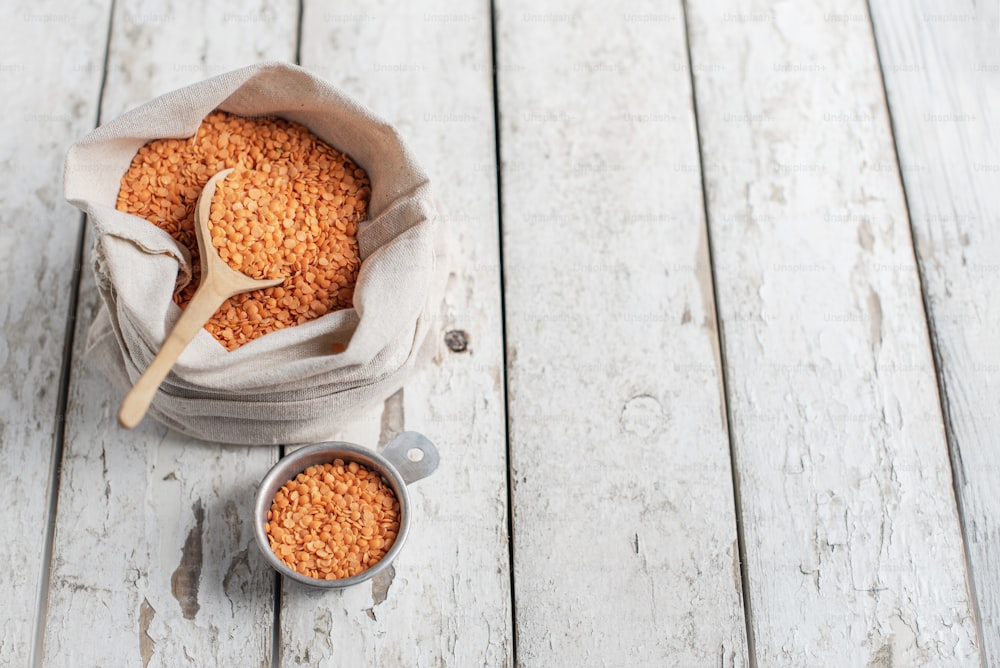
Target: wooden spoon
point(219, 282)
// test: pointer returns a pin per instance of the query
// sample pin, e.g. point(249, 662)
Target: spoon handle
point(206, 301)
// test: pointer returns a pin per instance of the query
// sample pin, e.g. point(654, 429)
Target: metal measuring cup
point(407, 458)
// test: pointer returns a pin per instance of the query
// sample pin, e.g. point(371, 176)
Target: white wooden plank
point(942, 73)
point(153, 544)
point(854, 551)
point(427, 69)
point(625, 542)
point(49, 81)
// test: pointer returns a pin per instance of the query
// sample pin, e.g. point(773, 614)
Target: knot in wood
point(457, 341)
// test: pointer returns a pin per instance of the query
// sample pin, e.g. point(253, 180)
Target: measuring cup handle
point(413, 455)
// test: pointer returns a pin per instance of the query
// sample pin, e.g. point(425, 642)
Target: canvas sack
point(286, 386)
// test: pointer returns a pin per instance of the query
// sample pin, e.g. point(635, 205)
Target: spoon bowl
point(218, 283)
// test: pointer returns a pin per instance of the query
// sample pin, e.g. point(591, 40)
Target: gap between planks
point(954, 454)
point(59, 437)
point(723, 375)
point(503, 331)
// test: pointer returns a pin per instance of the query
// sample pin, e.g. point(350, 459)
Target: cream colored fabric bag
point(285, 387)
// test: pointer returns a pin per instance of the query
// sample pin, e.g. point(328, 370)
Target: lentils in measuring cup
point(333, 521)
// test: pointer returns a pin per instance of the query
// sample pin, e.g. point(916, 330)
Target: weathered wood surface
point(853, 545)
point(427, 69)
point(48, 104)
point(624, 530)
point(154, 561)
point(941, 64)
point(625, 540)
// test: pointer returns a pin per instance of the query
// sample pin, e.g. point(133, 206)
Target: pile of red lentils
point(290, 209)
point(333, 521)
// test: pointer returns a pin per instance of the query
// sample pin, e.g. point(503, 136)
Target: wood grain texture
point(941, 64)
point(625, 542)
point(49, 81)
point(854, 549)
point(427, 69)
point(153, 544)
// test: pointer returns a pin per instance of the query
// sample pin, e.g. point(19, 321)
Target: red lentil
point(291, 208)
point(333, 521)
